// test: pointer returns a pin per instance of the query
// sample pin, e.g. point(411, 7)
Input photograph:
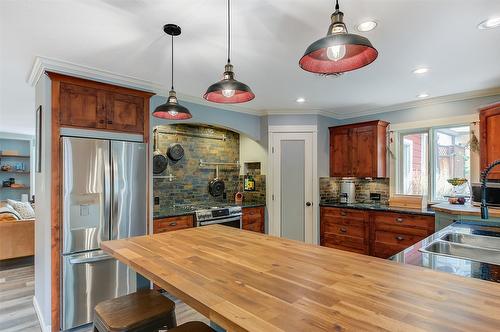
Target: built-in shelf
point(16, 172)
point(13, 156)
point(15, 188)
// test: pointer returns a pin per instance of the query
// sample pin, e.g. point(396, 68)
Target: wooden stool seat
point(145, 310)
point(192, 327)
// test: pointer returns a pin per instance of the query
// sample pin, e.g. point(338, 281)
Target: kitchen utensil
point(160, 162)
point(175, 152)
point(238, 198)
point(348, 188)
point(216, 186)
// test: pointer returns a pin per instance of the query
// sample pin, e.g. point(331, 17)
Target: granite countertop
point(463, 267)
point(466, 209)
point(376, 207)
point(175, 211)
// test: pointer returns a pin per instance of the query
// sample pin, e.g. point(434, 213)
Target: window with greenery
point(429, 157)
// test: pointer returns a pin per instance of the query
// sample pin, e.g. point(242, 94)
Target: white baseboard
point(43, 326)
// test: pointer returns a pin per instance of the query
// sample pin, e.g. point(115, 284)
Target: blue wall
point(23, 148)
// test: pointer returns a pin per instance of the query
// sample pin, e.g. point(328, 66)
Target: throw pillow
point(23, 208)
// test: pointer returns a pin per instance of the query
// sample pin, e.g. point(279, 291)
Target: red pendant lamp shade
point(339, 51)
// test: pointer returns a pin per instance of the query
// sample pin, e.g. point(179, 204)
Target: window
point(449, 154)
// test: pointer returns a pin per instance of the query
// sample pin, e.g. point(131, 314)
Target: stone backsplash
point(190, 181)
point(329, 189)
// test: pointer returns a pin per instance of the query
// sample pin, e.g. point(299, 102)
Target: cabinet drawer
point(172, 224)
point(255, 211)
point(343, 240)
point(385, 250)
point(254, 227)
point(402, 239)
point(355, 230)
point(335, 213)
point(405, 220)
point(340, 247)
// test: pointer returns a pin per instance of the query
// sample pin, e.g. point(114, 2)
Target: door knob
point(308, 203)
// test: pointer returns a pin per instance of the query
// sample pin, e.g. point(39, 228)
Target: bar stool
point(192, 327)
point(144, 310)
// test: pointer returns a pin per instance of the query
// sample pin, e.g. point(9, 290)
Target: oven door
point(233, 221)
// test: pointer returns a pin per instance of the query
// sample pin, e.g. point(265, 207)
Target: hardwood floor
point(17, 287)
point(16, 303)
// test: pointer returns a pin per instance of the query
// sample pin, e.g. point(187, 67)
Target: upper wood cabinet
point(94, 105)
point(489, 127)
point(358, 149)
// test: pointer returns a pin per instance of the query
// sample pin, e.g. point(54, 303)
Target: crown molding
point(287, 111)
point(44, 64)
point(418, 103)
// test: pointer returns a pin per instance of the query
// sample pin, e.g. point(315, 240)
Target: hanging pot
point(216, 187)
point(160, 162)
point(175, 152)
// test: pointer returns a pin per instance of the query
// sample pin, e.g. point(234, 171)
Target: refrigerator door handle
point(94, 259)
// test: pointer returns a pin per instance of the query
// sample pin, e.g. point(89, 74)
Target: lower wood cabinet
point(162, 225)
point(380, 234)
point(253, 219)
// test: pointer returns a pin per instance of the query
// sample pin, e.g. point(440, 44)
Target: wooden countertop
point(466, 210)
point(245, 281)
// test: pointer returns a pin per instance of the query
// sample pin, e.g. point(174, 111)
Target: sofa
point(17, 235)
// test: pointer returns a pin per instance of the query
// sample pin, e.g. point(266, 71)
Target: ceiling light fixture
point(423, 95)
point(420, 71)
point(489, 23)
point(339, 51)
point(171, 110)
point(228, 90)
point(300, 100)
point(366, 26)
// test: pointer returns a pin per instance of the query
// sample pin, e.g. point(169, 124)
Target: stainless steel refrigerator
point(104, 188)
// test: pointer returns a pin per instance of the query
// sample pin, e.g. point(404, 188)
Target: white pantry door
point(292, 177)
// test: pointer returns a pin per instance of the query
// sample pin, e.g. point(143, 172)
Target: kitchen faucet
point(484, 199)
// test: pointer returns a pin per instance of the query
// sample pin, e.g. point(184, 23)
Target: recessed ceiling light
point(489, 23)
point(300, 100)
point(423, 95)
point(366, 26)
point(421, 70)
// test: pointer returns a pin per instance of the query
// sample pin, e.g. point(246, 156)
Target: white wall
point(43, 210)
point(252, 151)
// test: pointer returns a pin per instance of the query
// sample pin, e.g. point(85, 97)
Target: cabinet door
point(253, 219)
point(340, 152)
point(82, 106)
point(490, 144)
point(125, 112)
point(364, 162)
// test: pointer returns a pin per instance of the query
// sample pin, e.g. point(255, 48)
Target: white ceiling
point(269, 37)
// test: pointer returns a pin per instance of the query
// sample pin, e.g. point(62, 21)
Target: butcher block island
point(247, 281)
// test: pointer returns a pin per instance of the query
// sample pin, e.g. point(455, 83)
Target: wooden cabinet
point(393, 232)
point(93, 105)
point(380, 234)
point(345, 229)
point(489, 127)
point(358, 149)
point(169, 224)
point(253, 219)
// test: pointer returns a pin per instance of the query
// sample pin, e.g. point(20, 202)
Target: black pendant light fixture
point(228, 90)
point(172, 110)
point(339, 51)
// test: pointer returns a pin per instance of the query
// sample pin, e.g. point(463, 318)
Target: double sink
point(483, 246)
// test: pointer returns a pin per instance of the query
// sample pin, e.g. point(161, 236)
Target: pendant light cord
point(172, 62)
point(228, 31)
point(337, 7)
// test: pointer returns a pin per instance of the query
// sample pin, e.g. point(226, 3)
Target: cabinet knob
point(173, 223)
point(110, 122)
point(400, 238)
point(343, 229)
point(399, 219)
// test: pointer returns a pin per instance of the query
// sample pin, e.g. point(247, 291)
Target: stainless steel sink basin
point(486, 242)
point(456, 250)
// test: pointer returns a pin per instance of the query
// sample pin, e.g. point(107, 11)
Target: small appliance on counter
point(347, 192)
point(493, 189)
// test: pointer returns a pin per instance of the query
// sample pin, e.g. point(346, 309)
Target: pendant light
point(172, 110)
point(228, 90)
point(339, 51)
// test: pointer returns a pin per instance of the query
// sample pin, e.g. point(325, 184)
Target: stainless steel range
point(227, 216)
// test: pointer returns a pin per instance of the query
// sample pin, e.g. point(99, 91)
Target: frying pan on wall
point(175, 152)
point(160, 162)
point(216, 186)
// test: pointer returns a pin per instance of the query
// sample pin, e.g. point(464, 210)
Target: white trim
point(41, 321)
point(43, 64)
point(274, 227)
point(461, 119)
